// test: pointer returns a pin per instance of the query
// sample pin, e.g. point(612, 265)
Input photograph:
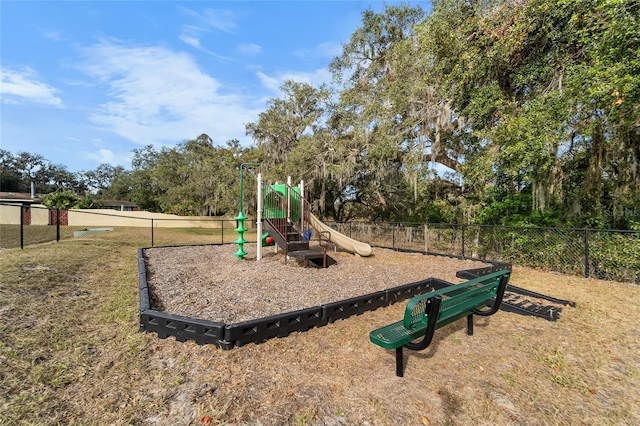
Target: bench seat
point(445, 305)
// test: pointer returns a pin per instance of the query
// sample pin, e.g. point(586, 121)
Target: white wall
point(40, 216)
point(9, 215)
point(106, 217)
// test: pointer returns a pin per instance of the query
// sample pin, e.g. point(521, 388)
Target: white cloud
point(54, 35)
point(195, 42)
point(191, 41)
point(24, 84)
point(270, 83)
point(218, 19)
point(223, 20)
point(8, 101)
point(316, 78)
point(323, 50)
point(249, 49)
point(107, 156)
point(207, 22)
point(161, 96)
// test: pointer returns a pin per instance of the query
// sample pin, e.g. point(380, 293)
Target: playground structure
point(286, 215)
point(287, 219)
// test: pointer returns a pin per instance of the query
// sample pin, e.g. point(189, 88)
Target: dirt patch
point(209, 282)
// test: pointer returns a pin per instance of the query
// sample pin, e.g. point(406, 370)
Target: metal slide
point(341, 240)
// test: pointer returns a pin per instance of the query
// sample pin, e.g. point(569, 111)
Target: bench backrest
point(456, 300)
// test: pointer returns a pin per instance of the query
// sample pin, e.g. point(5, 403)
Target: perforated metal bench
point(427, 312)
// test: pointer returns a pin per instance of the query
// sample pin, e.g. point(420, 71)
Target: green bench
point(446, 305)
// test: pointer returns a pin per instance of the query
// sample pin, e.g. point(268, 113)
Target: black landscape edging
point(407, 291)
point(227, 336)
point(281, 325)
point(142, 280)
point(183, 328)
point(354, 306)
point(165, 324)
point(467, 274)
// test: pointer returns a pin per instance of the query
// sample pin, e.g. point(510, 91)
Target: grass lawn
point(32, 234)
point(35, 234)
point(71, 353)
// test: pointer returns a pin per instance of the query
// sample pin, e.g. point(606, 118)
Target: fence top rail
point(89, 211)
point(428, 224)
point(474, 225)
point(187, 219)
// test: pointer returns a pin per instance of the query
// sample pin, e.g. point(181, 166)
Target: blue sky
point(86, 82)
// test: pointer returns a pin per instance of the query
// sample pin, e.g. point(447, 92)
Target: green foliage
point(543, 83)
point(85, 203)
point(532, 107)
point(103, 181)
point(18, 171)
point(544, 248)
point(515, 210)
point(66, 200)
point(615, 256)
point(198, 178)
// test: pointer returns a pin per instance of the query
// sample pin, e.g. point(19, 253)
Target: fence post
point(393, 236)
point(426, 238)
point(21, 227)
point(57, 225)
point(586, 253)
point(151, 232)
point(463, 228)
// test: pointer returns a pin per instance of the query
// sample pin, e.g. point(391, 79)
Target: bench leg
point(399, 369)
point(470, 325)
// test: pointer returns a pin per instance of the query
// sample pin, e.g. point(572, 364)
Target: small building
point(19, 198)
point(15, 208)
point(119, 205)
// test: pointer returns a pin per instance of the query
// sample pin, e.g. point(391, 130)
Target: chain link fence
point(25, 225)
point(597, 253)
point(605, 254)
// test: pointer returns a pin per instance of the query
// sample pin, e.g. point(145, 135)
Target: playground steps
point(294, 245)
point(316, 257)
point(319, 258)
point(297, 245)
point(288, 240)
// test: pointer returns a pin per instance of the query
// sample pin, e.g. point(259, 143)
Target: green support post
point(241, 218)
point(240, 241)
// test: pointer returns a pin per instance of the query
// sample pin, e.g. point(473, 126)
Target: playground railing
point(300, 210)
point(275, 212)
point(275, 209)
